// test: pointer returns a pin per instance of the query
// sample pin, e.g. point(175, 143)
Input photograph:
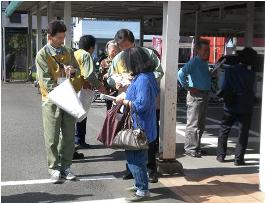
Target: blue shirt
point(240, 80)
point(198, 74)
point(142, 92)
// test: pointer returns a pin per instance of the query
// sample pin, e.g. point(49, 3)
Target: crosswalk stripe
point(218, 122)
point(45, 181)
point(117, 200)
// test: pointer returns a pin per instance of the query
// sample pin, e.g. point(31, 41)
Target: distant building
point(102, 30)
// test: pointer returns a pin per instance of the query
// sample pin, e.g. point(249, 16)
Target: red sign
point(157, 44)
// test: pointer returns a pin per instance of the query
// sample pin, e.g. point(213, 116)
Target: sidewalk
point(216, 185)
point(207, 180)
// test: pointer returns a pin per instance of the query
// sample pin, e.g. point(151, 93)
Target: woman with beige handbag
point(141, 98)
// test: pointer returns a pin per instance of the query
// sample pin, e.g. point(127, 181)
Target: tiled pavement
point(206, 180)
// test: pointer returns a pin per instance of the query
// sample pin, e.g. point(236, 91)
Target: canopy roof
point(214, 18)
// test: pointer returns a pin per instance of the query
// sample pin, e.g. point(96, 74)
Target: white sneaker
point(56, 176)
point(68, 174)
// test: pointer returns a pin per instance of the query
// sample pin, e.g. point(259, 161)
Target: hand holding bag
point(129, 138)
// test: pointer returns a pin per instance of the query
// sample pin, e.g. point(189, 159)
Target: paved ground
point(207, 180)
point(24, 176)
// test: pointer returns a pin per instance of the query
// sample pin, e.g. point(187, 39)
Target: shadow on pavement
point(115, 156)
point(36, 197)
point(200, 174)
point(161, 193)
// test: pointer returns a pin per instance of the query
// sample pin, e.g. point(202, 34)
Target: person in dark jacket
point(238, 102)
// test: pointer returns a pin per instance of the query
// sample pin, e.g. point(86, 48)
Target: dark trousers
point(228, 120)
point(80, 132)
point(153, 149)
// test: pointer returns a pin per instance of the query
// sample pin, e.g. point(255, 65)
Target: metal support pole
point(29, 47)
point(39, 30)
point(262, 139)
point(168, 103)
point(196, 26)
point(195, 33)
point(49, 12)
point(4, 53)
point(68, 23)
point(141, 41)
point(234, 45)
point(249, 24)
point(214, 49)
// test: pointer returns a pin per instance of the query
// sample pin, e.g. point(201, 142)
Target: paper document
point(107, 97)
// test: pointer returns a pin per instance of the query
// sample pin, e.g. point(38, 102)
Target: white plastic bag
point(86, 97)
point(65, 97)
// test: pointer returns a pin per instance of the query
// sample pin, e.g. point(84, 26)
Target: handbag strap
point(136, 119)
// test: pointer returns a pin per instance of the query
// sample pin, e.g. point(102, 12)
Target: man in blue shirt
point(198, 86)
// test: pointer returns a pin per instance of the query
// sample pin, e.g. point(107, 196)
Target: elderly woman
point(141, 98)
point(112, 50)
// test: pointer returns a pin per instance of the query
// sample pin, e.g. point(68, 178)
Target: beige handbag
point(129, 138)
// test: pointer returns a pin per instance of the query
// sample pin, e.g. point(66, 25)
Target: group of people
point(142, 68)
point(237, 91)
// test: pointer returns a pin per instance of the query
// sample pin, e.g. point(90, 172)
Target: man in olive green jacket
point(54, 63)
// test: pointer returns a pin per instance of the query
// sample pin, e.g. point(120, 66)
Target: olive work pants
point(59, 131)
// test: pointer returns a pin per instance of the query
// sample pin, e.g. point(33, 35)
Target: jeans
point(244, 121)
point(152, 150)
point(80, 132)
point(136, 160)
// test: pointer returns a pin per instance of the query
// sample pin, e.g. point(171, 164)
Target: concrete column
point(195, 33)
point(29, 47)
point(262, 139)
point(168, 102)
point(49, 12)
point(4, 53)
point(161, 127)
point(39, 30)
point(141, 41)
point(68, 23)
point(235, 44)
point(196, 25)
point(221, 12)
point(214, 49)
point(249, 24)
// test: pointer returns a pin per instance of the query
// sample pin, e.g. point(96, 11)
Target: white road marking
point(213, 141)
point(221, 107)
point(45, 181)
point(182, 117)
point(180, 129)
point(218, 122)
point(118, 200)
